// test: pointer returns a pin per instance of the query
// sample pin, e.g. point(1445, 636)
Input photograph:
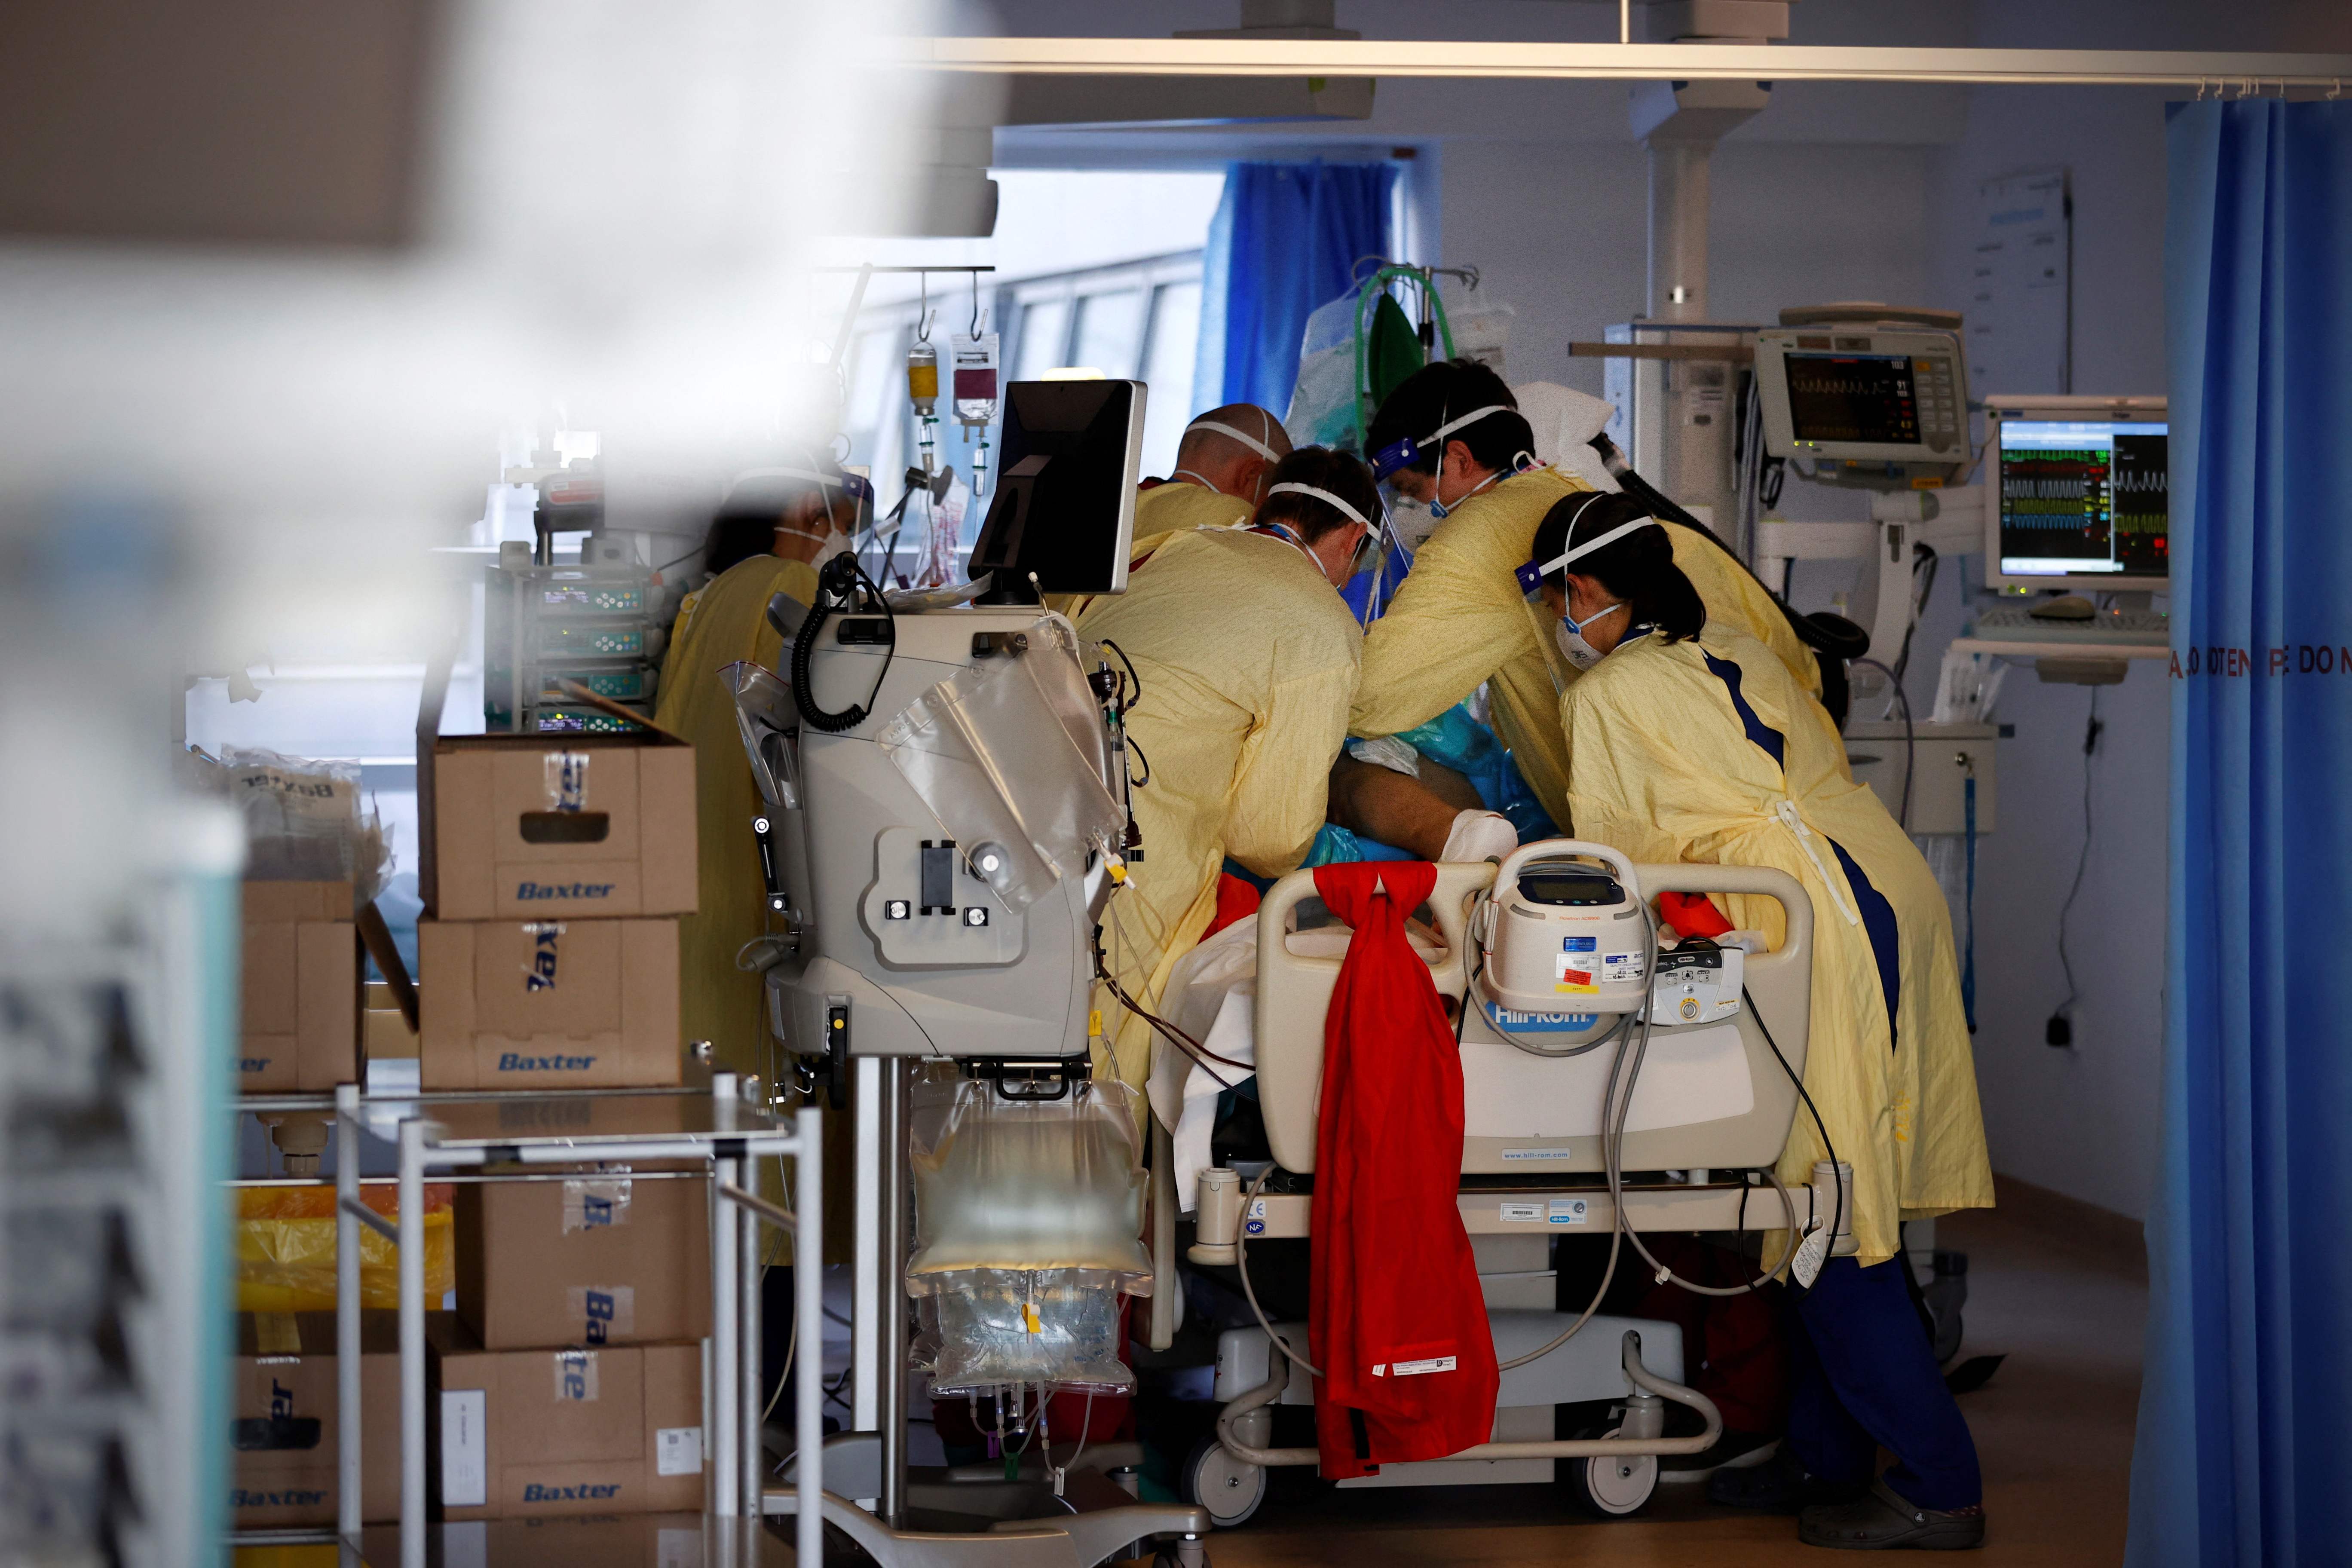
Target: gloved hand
point(1481, 835)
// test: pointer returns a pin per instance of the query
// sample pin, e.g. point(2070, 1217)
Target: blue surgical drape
point(2245, 1436)
point(1286, 239)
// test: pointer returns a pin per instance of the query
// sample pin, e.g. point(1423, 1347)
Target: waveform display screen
point(1853, 397)
point(2084, 498)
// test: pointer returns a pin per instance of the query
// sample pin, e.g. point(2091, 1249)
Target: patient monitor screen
point(1835, 397)
point(2083, 497)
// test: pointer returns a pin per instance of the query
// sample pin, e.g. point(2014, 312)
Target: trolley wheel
point(1228, 1487)
point(1611, 1485)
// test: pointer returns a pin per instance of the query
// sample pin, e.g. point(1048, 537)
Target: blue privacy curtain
point(2245, 1455)
point(1286, 239)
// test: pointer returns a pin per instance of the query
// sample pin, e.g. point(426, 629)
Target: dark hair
point(1342, 474)
point(1638, 569)
point(1438, 393)
point(736, 535)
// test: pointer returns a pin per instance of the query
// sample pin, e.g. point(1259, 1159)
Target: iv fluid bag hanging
point(973, 360)
point(923, 378)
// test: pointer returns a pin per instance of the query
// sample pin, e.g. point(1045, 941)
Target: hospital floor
point(2060, 1287)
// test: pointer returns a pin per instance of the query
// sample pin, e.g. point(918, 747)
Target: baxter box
point(300, 988)
point(554, 826)
point(616, 1430)
point(283, 1419)
point(528, 1004)
point(598, 1260)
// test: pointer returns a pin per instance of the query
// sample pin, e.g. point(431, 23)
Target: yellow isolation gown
point(1673, 758)
point(1162, 512)
point(1459, 618)
point(1247, 659)
point(723, 621)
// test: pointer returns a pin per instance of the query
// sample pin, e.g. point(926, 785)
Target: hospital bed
point(1707, 1116)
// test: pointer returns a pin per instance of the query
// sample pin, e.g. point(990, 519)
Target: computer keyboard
point(2015, 623)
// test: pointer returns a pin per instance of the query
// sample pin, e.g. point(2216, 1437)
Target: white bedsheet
point(1211, 996)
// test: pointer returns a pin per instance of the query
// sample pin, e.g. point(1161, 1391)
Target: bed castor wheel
point(1190, 1552)
point(1228, 1487)
point(1611, 1485)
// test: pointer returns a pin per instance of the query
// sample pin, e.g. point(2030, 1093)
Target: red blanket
point(1398, 1325)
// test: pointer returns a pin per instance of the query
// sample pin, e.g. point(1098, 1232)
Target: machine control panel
point(929, 906)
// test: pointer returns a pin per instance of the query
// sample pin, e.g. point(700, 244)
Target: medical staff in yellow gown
point(1221, 468)
point(1461, 617)
point(1246, 658)
point(1702, 750)
point(774, 523)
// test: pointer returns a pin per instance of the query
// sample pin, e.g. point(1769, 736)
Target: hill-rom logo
point(527, 889)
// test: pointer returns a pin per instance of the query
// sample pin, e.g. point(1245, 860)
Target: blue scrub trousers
point(1865, 1377)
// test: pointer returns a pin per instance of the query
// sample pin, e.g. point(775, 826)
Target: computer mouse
point(2065, 607)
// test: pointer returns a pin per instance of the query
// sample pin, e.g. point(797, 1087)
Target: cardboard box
point(527, 1005)
point(555, 826)
point(385, 1033)
point(523, 1433)
point(284, 1410)
point(595, 1261)
point(301, 988)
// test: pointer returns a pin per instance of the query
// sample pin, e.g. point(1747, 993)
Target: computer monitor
point(1064, 503)
point(1865, 401)
point(2078, 495)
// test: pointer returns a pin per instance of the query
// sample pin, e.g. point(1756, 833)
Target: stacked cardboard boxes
point(300, 988)
point(284, 1423)
point(571, 1381)
point(553, 871)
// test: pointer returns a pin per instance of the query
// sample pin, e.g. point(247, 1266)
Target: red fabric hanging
point(1398, 1324)
point(1236, 900)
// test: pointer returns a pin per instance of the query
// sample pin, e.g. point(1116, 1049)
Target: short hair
point(1438, 393)
point(1341, 473)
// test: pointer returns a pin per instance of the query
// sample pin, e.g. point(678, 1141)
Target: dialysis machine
point(946, 816)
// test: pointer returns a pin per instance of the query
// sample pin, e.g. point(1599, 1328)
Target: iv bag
point(1010, 752)
point(973, 360)
point(936, 563)
point(923, 377)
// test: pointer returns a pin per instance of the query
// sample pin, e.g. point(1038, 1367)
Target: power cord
point(2060, 1030)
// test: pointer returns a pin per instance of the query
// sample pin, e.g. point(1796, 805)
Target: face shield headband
point(1403, 454)
point(1531, 575)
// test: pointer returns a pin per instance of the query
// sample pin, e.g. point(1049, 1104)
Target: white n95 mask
point(1569, 633)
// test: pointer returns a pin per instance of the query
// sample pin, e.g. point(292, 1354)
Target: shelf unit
point(450, 1136)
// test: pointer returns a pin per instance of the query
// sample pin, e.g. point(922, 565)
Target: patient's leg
point(1415, 815)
